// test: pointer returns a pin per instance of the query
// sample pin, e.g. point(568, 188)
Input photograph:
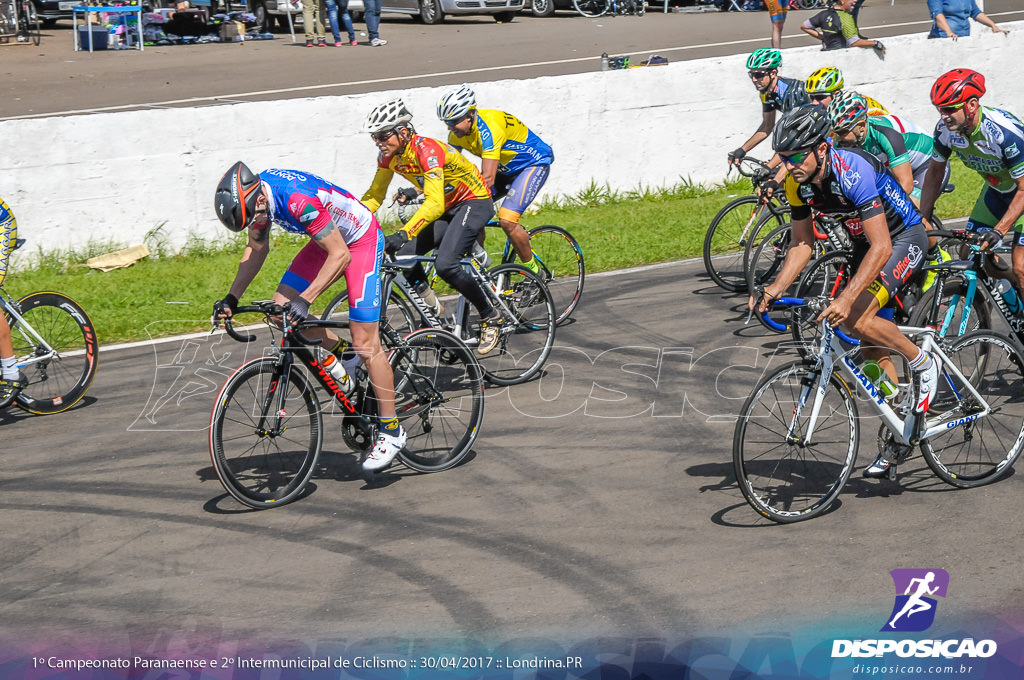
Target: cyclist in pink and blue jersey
point(345, 240)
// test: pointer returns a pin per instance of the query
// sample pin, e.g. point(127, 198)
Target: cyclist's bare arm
point(338, 258)
point(905, 177)
point(767, 125)
point(256, 251)
point(489, 169)
point(932, 186)
point(800, 251)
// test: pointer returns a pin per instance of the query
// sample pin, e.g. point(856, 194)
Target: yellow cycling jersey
point(502, 137)
point(445, 177)
point(8, 237)
point(874, 108)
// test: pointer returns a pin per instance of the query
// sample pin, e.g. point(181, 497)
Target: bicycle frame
point(973, 276)
point(20, 325)
point(907, 432)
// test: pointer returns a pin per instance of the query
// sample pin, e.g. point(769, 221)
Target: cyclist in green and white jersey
point(905, 148)
point(989, 141)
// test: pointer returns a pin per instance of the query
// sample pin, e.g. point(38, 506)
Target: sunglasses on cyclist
point(383, 135)
point(452, 123)
point(820, 97)
point(758, 74)
point(949, 110)
point(794, 158)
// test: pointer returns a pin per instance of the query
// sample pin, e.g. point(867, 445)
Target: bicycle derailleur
point(892, 451)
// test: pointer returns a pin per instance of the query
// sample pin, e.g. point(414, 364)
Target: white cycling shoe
point(385, 450)
point(927, 386)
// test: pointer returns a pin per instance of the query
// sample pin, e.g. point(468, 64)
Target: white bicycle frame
point(906, 432)
point(20, 325)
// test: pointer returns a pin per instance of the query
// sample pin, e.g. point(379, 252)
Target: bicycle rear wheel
point(439, 399)
point(561, 266)
point(528, 329)
point(591, 8)
point(825, 277)
point(727, 237)
point(29, 22)
point(265, 433)
point(782, 476)
point(965, 315)
point(767, 258)
point(57, 380)
point(981, 450)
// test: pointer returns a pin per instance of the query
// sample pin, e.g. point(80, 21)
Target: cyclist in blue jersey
point(991, 142)
point(777, 94)
point(889, 239)
point(11, 381)
point(345, 240)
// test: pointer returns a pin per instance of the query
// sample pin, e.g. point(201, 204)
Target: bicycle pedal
point(891, 473)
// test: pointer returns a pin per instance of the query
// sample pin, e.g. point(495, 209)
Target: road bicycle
point(737, 226)
point(527, 332)
point(267, 424)
point(55, 346)
point(18, 20)
point(597, 8)
point(798, 433)
point(558, 255)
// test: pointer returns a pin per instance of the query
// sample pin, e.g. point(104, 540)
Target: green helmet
point(825, 80)
point(846, 110)
point(764, 58)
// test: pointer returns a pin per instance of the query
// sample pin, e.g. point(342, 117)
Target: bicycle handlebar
point(269, 309)
point(752, 167)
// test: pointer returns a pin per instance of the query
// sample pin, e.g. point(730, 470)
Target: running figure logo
point(914, 609)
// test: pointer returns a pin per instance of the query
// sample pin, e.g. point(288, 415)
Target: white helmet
point(387, 116)
point(456, 104)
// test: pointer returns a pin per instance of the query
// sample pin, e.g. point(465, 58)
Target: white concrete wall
point(112, 177)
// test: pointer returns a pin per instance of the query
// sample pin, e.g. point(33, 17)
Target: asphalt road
point(52, 78)
point(598, 501)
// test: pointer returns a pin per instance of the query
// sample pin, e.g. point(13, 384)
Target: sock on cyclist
point(390, 426)
point(9, 368)
point(922, 362)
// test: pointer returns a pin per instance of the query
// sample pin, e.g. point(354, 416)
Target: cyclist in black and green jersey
point(777, 94)
point(989, 141)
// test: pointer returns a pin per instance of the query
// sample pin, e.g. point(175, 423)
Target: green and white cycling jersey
point(995, 149)
point(896, 140)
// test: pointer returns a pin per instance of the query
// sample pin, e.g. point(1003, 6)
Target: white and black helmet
point(387, 116)
point(455, 104)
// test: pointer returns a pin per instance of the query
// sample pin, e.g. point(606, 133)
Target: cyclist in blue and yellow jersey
point(777, 94)
point(515, 162)
point(456, 206)
point(888, 236)
point(345, 240)
point(11, 381)
point(991, 142)
point(827, 82)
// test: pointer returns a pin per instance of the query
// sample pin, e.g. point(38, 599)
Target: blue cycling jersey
point(304, 203)
point(789, 93)
point(855, 187)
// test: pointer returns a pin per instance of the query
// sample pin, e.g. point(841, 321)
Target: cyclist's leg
point(461, 227)
point(523, 188)
point(362, 279)
point(8, 363)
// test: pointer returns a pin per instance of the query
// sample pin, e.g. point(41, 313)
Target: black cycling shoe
point(9, 389)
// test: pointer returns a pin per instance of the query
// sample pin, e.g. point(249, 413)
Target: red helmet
point(957, 86)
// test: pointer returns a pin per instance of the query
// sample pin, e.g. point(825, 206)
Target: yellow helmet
point(825, 80)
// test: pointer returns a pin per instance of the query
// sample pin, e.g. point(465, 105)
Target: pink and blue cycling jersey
point(304, 203)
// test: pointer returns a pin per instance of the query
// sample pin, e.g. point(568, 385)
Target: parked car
point(427, 11)
point(545, 8)
point(49, 11)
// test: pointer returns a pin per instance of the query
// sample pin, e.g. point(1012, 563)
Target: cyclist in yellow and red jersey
point(10, 378)
point(457, 204)
point(515, 162)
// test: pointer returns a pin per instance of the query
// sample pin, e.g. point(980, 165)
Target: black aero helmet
point(236, 196)
point(800, 128)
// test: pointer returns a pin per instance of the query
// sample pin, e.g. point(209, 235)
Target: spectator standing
point(334, 7)
point(950, 18)
point(371, 11)
point(312, 25)
point(837, 29)
point(777, 10)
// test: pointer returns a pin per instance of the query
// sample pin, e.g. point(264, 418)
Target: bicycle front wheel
point(57, 351)
point(978, 451)
point(783, 476)
point(561, 265)
point(727, 238)
point(265, 433)
point(528, 325)
point(591, 8)
point(439, 399)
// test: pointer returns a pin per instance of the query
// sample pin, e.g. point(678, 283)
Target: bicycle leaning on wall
point(19, 22)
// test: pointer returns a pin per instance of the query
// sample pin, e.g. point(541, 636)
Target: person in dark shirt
point(837, 29)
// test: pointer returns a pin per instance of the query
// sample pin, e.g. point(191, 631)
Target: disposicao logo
point(916, 590)
point(914, 611)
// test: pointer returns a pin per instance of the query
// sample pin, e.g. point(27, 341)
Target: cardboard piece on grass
point(118, 258)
